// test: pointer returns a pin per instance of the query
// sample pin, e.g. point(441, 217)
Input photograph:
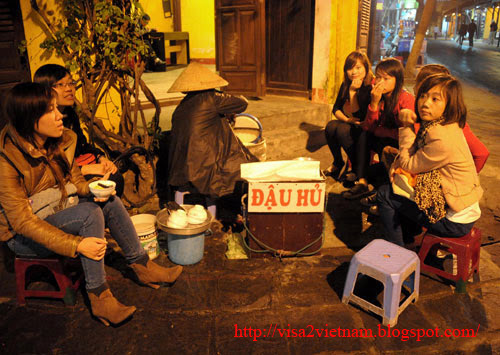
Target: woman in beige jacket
point(37, 157)
point(447, 191)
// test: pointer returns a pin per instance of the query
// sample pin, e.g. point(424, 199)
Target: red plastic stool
point(466, 248)
point(56, 266)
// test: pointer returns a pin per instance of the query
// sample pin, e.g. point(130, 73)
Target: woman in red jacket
point(381, 125)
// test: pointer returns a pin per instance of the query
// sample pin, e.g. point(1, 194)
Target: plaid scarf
point(429, 196)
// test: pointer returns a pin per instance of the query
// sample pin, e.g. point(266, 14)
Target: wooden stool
point(466, 248)
point(56, 267)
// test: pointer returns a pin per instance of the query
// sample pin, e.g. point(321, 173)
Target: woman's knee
point(331, 128)
point(383, 194)
point(94, 213)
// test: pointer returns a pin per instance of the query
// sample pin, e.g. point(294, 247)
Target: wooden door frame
point(260, 45)
point(290, 92)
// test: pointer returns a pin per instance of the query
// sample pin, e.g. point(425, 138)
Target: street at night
point(479, 65)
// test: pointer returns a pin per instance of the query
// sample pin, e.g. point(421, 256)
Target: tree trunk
point(419, 37)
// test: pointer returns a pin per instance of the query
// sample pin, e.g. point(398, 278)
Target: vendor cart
point(284, 208)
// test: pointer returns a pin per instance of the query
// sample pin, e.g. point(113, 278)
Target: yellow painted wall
point(36, 32)
point(159, 22)
point(198, 18)
point(343, 33)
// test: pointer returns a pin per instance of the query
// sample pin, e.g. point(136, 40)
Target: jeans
point(342, 134)
point(88, 219)
point(393, 210)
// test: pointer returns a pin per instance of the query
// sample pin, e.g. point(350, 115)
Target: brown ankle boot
point(107, 308)
point(152, 273)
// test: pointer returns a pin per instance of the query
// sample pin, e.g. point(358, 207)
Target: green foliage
point(98, 32)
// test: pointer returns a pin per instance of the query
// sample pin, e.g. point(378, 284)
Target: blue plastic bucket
point(186, 249)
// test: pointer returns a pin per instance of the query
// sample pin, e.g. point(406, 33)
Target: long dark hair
point(25, 104)
point(350, 62)
point(394, 68)
point(48, 75)
point(455, 110)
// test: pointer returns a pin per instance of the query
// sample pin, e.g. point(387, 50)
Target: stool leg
point(179, 196)
point(64, 283)
point(20, 269)
point(392, 293)
point(212, 209)
point(463, 264)
point(350, 281)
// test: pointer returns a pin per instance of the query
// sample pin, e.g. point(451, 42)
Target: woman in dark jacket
point(204, 154)
point(349, 110)
point(92, 161)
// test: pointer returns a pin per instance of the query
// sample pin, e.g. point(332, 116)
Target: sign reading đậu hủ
point(286, 197)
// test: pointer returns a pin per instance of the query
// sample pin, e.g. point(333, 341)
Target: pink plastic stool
point(67, 287)
point(466, 248)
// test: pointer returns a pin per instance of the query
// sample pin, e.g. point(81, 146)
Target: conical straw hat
point(197, 77)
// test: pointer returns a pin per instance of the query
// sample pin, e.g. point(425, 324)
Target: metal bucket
point(185, 245)
point(248, 129)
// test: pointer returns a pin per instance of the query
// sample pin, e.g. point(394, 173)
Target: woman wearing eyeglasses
point(92, 161)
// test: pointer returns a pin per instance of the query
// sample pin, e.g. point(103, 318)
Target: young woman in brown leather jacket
point(37, 155)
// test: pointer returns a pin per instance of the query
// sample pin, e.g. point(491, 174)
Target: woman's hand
point(376, 93)
point(356, 84)
point(93, 169)
point(407, 117)
point(108, 165)
point(354, 121)
point(393, 168)
point(104, 199)
point(92, 247)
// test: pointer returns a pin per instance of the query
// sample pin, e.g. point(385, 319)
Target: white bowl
point(98, 190)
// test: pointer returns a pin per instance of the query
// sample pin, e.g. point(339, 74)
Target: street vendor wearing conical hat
point(204, 153)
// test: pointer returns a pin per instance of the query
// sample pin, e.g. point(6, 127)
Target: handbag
point(47, 202)
point(404, 184)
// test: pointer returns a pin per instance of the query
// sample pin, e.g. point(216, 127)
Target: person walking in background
point(472, 28)
point(493, 32)
point(461, 33)
point(436, 32)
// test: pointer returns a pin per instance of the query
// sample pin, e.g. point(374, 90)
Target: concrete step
point(276, 112)
point(292, 127)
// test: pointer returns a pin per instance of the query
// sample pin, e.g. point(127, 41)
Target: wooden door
point(13, 67)
point(240, 45)
point(289, 39)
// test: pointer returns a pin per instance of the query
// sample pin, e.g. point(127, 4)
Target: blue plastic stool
point(390, 264)
point(179, 198)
